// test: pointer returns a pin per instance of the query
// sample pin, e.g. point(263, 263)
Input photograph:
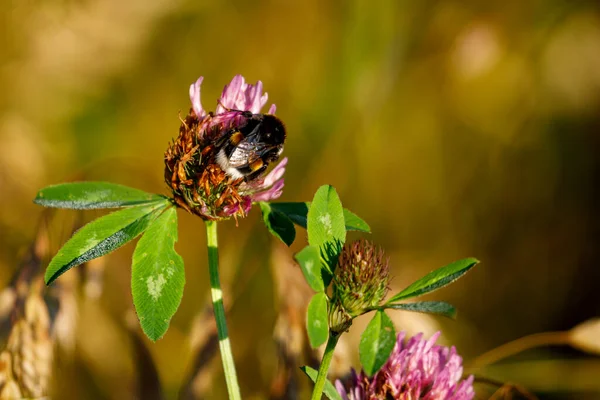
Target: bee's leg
point(256, 169)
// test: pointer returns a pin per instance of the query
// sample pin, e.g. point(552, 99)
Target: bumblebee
point(245, 151)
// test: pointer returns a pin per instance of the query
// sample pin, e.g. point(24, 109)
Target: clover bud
point(360, 283)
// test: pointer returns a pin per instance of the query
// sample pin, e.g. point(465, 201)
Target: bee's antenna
point(226, 108)
point(223, 105)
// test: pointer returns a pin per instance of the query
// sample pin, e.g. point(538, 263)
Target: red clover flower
point(416, 369)
point(215, 167)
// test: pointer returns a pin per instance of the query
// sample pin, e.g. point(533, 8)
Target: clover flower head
point(416, 369)
point(196, 164)
point(360, 282)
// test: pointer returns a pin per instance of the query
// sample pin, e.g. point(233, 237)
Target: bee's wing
point(245, 153)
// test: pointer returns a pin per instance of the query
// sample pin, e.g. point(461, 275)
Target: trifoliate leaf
point(93, 195)
point(377, 343)
point(325, 226)
point(430, 307)
point(309, 259)
point(317, 320)
point(278, 224)
point(102, 236)
point(298, 214)
point(436, 279)
point(157, 275)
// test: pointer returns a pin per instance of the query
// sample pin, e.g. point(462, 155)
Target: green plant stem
point(317, 393)
point(216, 293)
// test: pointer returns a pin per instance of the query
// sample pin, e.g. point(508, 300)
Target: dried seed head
point(25, 364)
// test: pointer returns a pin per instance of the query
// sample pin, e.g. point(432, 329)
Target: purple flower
point(207, 185)
point(416, 369)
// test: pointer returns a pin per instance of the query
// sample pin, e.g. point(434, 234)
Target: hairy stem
point(324, 367)
point(216, 293)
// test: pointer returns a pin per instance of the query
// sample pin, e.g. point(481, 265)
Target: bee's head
point(274, 130)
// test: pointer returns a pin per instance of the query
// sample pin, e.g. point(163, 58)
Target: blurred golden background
point(453, 128)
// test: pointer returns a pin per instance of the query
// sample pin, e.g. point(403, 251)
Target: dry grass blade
point(205, 344)
point(586, 336)
point(506, 390)
point(148, 380)
point(293, 295)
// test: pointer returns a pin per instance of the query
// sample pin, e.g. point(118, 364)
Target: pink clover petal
point(230, 210)
point(195, 98)
point(247, 205)
point(261, 101)
point(269, 188)
point(253, 98)
point(276, 173)
point(241, 96)
point(230, 94)
point(269, 194)
point(429, 343)
point(272, 109)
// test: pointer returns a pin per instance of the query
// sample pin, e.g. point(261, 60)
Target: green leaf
point(92, 195)
point(278, 223)
point(329, 390)
point(102, 236)
point(316, 320)
point(436, 279)
point(325, 226)
point(355, 223)
point(429, 307)
point(309, 259)
point(157, 275)
point(376, 343)
point(298, 214)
